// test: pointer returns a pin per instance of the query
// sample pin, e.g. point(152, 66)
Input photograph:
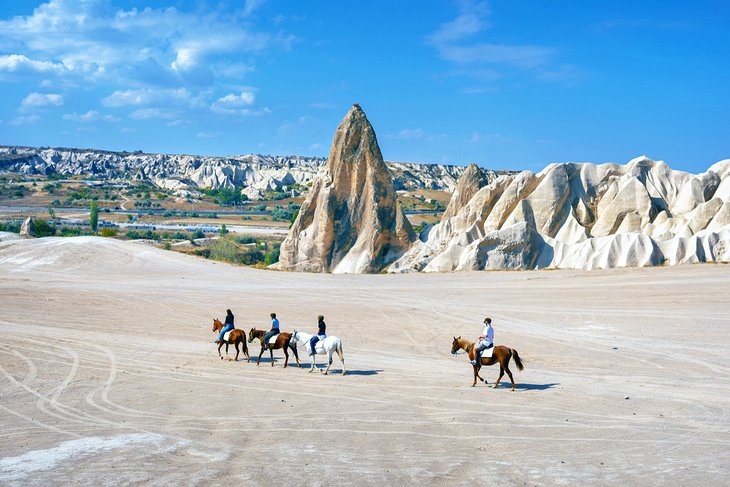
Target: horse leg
point(260, 354)
point(501, 373)
point(296, 355)
point(237, 352)
point(286, 355)
point(329, 364)
point(509, 373)
point(220, 344)
point(313, 360)
point(476, 373)
point(271, 352)
point(342, 359)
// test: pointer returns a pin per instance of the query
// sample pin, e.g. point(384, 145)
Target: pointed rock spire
point(351, 222)
point(471, 181)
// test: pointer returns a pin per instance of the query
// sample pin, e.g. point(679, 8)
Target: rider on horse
point(485, 341)
point(321, 334)
point(228, 326)
point(274, 331)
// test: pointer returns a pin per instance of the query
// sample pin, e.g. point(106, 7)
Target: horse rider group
point(276, 329)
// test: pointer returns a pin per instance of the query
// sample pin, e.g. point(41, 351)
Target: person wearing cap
point(485, 341)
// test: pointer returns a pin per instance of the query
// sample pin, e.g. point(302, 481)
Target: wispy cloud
point(25, 120)
point(39, 100)
point(148, 113)
point(462, 42)
point(90, 116)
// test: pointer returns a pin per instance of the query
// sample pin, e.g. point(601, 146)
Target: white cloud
point(90, 116)
point(39, 100)
point(147, 96)
point(20, 63)
point(208, 135)
point(236, 104)
point(148, 113)
point(25, 120)
point(97, 41)
point(410, 134)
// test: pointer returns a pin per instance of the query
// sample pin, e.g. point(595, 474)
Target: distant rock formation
point(583, 216)
point(351, 221)
point(27, 229)
point(185, 173)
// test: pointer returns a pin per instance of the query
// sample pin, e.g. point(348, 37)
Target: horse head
point(251, 335)
point(294, 336)
point(455, 345)
point(217, 325)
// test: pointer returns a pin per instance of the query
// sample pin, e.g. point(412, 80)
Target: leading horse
point(330, 345)
point(500, 354)
point(235, 337)
point(282, 340)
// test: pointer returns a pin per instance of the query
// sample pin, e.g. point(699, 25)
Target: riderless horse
point(235, 337)
point(500, 354)
point(329, 345)
point(282, 340)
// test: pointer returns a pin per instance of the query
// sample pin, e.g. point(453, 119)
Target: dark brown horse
point(283, 341)
point(500, 354)
point(234, 338)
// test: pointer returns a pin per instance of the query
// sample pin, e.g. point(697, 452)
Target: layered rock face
point(351, 221)
point(583, 216)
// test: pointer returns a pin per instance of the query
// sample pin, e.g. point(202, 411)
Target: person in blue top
point(228, 325)
point(486, 340)
point(321, 334)
point(274, 331)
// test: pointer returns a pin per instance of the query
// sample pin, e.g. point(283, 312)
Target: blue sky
point(509, 85)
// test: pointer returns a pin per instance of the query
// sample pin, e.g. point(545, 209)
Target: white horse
point(329, 345)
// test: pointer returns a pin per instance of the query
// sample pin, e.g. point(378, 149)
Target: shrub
point(13, 227)
point(108, 232)
point(43, 228)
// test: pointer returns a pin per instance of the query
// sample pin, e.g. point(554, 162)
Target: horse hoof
point(494, 386)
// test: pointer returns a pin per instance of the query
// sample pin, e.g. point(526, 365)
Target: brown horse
point(283, 341)
point(234, 338)
point(500, 354)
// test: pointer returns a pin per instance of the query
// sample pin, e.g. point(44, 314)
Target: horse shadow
point(337, 370)
point(530, 387)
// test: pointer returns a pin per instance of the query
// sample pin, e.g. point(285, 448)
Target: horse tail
point(518, 361)
point(339, 350)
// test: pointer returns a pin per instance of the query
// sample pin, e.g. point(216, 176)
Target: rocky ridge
point(182, 173)
point(351, 221)
point(582, 216)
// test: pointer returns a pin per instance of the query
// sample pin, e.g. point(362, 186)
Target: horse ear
point(459, 337)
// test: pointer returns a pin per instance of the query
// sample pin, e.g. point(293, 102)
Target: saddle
point(318, 347)
point(487, 352)
point(226, 335)
point(272, 340)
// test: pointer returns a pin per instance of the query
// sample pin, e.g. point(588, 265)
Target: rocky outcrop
point(583, 216)
point(27, 229)
point(186, 173)
point(351, 221)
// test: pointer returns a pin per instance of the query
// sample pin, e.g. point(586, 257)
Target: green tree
point(51, 212)
point(224, 230)
point(93, 217)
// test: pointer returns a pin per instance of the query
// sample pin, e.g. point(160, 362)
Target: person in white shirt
point(486, 340)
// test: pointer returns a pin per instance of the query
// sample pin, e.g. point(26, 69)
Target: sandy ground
point(108, 374)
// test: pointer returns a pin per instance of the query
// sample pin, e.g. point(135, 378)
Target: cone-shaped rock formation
point(351, 221)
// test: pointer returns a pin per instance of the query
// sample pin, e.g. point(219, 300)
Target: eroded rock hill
point(351, 221)
point(582, 216)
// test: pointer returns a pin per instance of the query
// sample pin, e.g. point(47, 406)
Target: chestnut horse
point(283, 341)
point(234, 338)
point(500, 354)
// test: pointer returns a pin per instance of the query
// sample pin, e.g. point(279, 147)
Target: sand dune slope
point(108, 374)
